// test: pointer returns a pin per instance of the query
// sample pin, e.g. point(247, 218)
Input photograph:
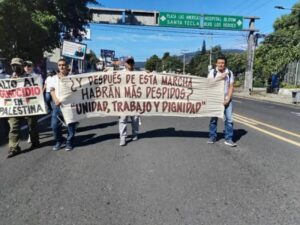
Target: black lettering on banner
point(29, 82)
point(178, 81)
point(132, 92)
point(75, 83)
point(100, 92)
point(8, 84)
point(87, 107)
point(130, 78)
point(21, 110)
point(149, 79)
point(18, 101)
point(165, 93)
point(133, 106)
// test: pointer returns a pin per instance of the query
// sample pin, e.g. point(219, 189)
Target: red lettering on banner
point(20, 92)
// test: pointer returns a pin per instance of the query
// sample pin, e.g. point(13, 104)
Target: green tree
point(154, 63)
point(29, 28)
point(171, 63)
point(199, 64)
point(91, 60)
point(237, 62)
point(280, 47)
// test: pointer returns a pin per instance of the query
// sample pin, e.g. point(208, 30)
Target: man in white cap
point(129, 65)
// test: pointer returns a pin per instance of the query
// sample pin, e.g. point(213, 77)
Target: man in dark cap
point(15, 122)
point(28, 67)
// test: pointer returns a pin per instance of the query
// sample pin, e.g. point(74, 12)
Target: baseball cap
point(129, 59)
point(17, 61)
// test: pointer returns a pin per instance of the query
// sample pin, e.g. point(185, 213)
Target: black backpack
point(215, 73)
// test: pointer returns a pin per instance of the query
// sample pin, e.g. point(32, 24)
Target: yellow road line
point(270, 133)
point(266, 125)
point(235, 118)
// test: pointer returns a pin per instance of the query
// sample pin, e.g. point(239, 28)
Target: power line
point(243, 4)
point(259, 7)
point(153, 29)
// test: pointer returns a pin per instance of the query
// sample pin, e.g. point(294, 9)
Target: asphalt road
point(170, 176)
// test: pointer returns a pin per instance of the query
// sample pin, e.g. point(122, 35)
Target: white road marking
point(237, 101)
point(296, 113)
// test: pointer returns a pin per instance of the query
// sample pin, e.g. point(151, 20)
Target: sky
point(144, 41)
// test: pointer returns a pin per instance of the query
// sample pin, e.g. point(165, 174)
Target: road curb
point(267, 100)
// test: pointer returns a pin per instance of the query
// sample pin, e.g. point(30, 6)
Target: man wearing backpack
point(222, 72)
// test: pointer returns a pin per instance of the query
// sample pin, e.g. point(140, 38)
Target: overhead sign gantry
point(184, 20)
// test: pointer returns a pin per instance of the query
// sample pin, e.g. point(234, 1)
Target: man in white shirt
point(56, 111)
point(222, 72)
point(129, 65)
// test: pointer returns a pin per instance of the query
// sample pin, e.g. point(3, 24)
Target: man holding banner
point(56, 111)
point(219, 73)
point(129, 65)
point(15, 122)
point(28, 69)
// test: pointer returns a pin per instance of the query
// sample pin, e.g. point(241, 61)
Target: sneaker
point(122, 142)
point(211, 141)
point(57, 146)
point(230, 143)
point(135, 138)
point(68, 148)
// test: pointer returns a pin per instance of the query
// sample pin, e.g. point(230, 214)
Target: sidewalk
point(261, 95)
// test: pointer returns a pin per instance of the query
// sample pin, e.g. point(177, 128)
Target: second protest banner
point(139, 93)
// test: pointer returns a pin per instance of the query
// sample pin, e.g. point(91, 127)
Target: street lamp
point(183, 51)
point(284, 8)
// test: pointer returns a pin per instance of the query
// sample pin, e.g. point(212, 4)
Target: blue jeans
point(48, 100)
point(228, 124)
point(57, 127)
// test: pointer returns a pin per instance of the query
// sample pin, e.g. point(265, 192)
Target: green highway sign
point(223, 22)
point(171, 19)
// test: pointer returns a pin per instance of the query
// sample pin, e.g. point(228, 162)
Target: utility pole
point(210, 53)
point(183, 63)
point(296, 74)
point(183, 51)
point(248, 85)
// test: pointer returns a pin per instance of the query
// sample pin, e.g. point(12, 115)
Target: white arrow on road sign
point(239, 22)
point(163, 18)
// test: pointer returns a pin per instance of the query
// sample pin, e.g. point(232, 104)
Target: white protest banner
point(21, 97)
point(139, 93)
